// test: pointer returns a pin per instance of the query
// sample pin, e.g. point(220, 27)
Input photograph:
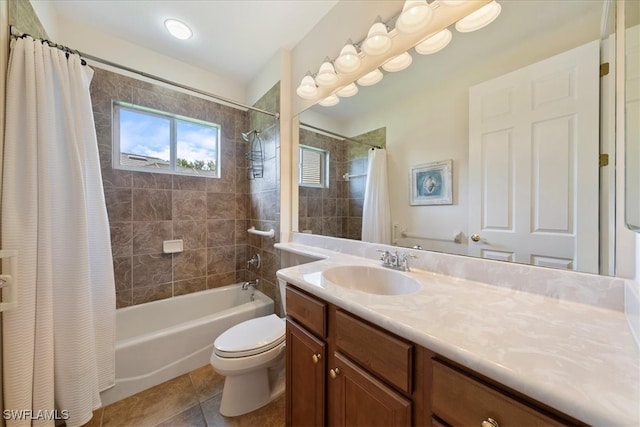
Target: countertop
point(580, 359)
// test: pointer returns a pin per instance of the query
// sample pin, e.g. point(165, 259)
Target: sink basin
point(372, 280)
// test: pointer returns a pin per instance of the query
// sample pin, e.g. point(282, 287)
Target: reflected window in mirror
point(313, 167)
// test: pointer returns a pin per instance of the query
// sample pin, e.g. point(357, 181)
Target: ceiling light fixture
point(480, 18)
point(348, 61)
point(347, 91)
point(416, 15)
point(178, 29)
point(434, 43)
point(370, 78)
point(326, 74)
point(398, 63)
point(307, 88)
point(378, 41)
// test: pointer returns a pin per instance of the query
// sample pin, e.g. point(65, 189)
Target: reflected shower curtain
point(58, 344)
point(376, 215)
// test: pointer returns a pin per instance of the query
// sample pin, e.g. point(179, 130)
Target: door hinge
point(604, 69)
point(604, 160)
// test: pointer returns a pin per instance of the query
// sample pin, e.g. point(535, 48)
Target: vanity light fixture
point(348, 61)
point(416, 15)
point(326, 74)
point(178, 29)
point(480, 18)
point(418, 21)
point(329, 101)
point(307, 88)
point(370, 78)
point(398, 63)
point(434, 43)
point(347, 91)
point(378, 41)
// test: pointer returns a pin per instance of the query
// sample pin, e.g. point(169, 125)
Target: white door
point(533, 163)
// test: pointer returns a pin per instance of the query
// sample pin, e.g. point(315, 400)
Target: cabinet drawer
point(308, 311)
point(379, 352)
point(461, 400)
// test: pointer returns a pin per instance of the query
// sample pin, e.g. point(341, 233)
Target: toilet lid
point(250, 337)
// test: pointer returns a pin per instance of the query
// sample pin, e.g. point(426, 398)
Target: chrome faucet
point(395, 260)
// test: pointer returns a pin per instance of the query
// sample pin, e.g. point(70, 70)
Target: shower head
point(247, 135)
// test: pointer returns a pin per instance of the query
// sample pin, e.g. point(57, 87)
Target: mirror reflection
point(514, 109)
point(632, 112)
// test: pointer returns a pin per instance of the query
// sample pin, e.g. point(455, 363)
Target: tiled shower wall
point(264, 197)
point(144, 208)
point(336, 211)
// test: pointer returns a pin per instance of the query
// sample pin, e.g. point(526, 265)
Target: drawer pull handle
point(490, 422)
point(316, 358)
point(333, 373)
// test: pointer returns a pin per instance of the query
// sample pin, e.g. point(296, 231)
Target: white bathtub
point(161, 340)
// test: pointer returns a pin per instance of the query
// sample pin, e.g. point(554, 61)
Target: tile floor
point(191, 400)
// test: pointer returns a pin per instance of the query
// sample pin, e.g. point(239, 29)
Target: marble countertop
point(580, 359)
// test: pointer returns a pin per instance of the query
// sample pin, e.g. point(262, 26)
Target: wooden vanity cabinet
point(354, 373)
point(345, 371)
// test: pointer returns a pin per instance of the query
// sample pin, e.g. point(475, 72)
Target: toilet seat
point(251, 337)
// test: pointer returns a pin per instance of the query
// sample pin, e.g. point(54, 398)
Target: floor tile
point(192, 417)
point(206, 382)
point(271, 415)
point(152, 406)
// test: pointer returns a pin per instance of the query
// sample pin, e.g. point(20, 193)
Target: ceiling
point(232, 38)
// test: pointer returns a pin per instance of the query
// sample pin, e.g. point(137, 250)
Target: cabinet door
point(306, 368)
point(358, 399)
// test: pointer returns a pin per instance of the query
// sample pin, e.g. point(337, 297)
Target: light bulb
point(347, 91)
point(370, 78)
point(434, 43)
point(307, 88)
point(378, 41)
point(329, 101)
point(348, 61)
point(398, 63)
point(416, 15)
point(326, 74)
point(480, 18)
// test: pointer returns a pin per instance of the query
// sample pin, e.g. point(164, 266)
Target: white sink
point(373, 280)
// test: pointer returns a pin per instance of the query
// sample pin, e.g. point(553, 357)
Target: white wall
point(90, 41)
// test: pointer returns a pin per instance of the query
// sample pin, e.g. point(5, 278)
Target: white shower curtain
point(376, 215)
point(58, 344)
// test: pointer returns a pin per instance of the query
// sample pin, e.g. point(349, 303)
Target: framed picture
point(431, 184)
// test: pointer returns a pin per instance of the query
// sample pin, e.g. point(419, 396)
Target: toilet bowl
point(244, 354)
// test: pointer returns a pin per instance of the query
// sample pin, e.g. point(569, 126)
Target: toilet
point(244, 354)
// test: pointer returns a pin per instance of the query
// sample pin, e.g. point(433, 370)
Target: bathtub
point(161, 340)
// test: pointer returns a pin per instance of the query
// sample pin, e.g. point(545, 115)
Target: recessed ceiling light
point(178, 29)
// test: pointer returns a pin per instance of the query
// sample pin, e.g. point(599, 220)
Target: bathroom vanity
point(453, 351)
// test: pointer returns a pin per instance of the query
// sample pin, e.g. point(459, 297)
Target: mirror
point(632, 112)
point(422, 116)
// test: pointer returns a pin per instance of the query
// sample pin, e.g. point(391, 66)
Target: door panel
point(533, 163)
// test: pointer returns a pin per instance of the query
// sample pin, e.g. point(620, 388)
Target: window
point(313, 167)
point(154, 141)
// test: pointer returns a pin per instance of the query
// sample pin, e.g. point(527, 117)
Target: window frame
point(117, 106)
point(324, 169)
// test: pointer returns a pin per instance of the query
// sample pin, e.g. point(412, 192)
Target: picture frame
point(430, 184)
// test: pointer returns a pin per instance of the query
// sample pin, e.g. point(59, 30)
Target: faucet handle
point(384, 254)
point(404, 260)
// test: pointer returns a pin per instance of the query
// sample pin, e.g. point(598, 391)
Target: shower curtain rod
point(337, 135)
point(15, 33)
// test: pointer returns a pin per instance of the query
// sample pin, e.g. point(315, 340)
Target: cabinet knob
point(333, 373)
point(490, 422)
point(316, 358)
point(475, 238)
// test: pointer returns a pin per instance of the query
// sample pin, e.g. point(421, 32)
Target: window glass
point(155, 141)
